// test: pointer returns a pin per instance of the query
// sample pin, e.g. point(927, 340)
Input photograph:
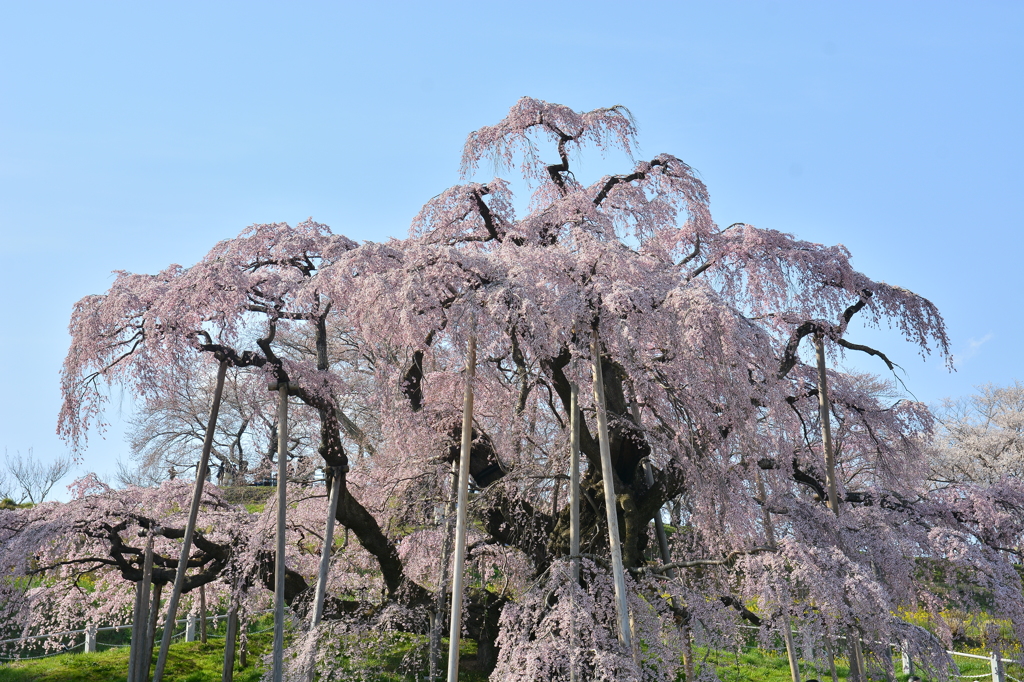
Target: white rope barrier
point(54, 653)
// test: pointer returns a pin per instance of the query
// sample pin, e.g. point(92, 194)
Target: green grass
point(197, 662)
point(759, 665)
point(186, 662)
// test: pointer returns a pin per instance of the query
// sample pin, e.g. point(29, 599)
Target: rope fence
point(217, 620)
point(997, 671)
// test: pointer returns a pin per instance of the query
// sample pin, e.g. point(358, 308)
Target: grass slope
point(196, 662)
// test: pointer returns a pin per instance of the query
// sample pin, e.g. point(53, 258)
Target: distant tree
point(980, 437)
point(32, 478)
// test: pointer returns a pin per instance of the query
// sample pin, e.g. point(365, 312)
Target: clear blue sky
point(134, 135)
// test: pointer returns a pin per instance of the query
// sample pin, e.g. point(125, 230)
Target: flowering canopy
point(700, 329)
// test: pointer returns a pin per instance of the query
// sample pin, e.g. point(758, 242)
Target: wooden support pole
point(325, 555)
point(574, 503)
point(574, 480)
point(769, 532)
point(142, 659)
point(154, 616)
point(190, 526)
point(833, 673)
point(230, 637)
point(855, 653)
point(826, 426)
point(608, 476)
point(455, 628)
point(134, 647)
point(441, 598)
point(202, 614)
point(277, 673)
point(659, 523)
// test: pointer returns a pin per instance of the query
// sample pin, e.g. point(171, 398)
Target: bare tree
point(6, 488)
point(142, 475)
point(34, 479)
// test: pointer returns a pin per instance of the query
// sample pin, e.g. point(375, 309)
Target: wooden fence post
point(908, 664)
point(996, 664)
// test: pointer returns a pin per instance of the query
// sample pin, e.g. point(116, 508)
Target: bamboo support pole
point(608, 476)
point(190, 527)
point(455, 629)
point(282, 502)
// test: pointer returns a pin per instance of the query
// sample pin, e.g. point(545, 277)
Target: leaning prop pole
point(659, 523)
point(574, 480)
point(856, 654)
point(190, 527)
point(574, 506)
point(608, 476)
point(769, 532)
point(455, 629)
point(282, 501)
point(441, 598)
point(142, 653)
point(325, 556)
point(826, 426)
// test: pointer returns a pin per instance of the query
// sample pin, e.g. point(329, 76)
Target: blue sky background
point(135, 135)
